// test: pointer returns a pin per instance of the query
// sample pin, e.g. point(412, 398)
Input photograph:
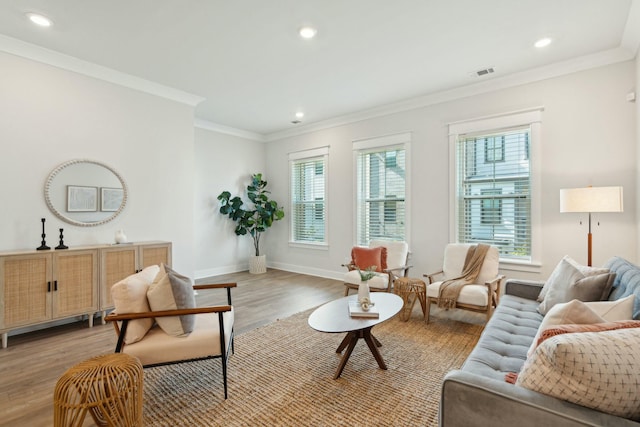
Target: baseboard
point(209, 272)
point(318, 272)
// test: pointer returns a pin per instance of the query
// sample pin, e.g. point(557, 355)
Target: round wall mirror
point(85, 192)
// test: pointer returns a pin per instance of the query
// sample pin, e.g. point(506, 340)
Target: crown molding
point(631, 35)
point(228, 130)
point(70, 63)
point(586, 62)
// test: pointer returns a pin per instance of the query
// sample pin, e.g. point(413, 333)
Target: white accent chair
point(482, 296)
point(397, 266)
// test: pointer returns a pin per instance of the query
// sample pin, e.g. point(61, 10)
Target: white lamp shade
point(591, 199)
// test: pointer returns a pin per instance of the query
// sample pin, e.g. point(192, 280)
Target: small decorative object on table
point(362, 307)
point(43, 245)
point(356, 309)
point(363, 287)
point(62, 245)
point(120, 237)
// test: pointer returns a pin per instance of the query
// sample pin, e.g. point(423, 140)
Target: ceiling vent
point(484, 72)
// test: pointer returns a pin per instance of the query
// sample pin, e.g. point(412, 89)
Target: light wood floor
point(33, 362)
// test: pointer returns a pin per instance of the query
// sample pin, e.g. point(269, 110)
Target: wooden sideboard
point(37, 287)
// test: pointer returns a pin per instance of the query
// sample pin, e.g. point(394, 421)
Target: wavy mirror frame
point(64, 218)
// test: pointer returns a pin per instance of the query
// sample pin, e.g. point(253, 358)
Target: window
point(493, 149)
point(494, 202)
point(491, 213)
point(381, 172)
point(308, 188)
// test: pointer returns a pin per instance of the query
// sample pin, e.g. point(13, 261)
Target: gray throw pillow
point(171, 291)
point(570, 283)
point(585, 270)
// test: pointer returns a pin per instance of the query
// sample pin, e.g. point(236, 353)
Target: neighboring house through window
point(308, 179)
point(494, 176)
point(381, 185)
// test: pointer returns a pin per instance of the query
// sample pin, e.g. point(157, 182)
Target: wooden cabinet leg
point(5, 337)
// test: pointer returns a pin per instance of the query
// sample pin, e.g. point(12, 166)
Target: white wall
point(588, 138)
point(222, 162)
point(49, 115)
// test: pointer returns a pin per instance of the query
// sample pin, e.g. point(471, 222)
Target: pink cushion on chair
point(364, 258)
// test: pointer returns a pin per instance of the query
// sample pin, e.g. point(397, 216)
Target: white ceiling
point(245, 58)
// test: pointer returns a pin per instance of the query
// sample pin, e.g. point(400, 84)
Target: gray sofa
point(477, 395)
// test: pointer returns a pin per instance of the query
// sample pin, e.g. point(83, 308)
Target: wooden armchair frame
point(493, 296)
point(220, 309)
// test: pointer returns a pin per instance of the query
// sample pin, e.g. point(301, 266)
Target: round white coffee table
point(333, 317)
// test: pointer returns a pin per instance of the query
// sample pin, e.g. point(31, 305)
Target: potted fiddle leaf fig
point(254, 219)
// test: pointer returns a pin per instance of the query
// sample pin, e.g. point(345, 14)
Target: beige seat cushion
point(380, 281)
point(470, 294)
point(203, 341)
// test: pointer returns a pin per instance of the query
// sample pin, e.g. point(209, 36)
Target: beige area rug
point(281, 375)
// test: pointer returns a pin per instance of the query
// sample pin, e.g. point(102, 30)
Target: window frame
point(306, 156)
point(387, 143)
point(494, 124)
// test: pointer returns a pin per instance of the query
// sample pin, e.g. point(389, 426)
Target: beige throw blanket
point(450, 289)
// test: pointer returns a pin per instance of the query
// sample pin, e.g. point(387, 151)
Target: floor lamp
point(588, 200)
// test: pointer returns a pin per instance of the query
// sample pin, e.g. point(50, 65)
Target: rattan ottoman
point(410, 290)
point(109, 387)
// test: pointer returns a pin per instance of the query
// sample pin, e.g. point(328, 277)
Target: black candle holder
point(43, 245)
point(61, 245)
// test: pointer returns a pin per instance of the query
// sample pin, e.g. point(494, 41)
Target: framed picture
point(82, 199)
point(111, 199)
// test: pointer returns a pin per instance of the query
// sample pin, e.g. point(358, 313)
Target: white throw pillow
point(612, 311)
point(574, 312)
point(599, 370)
point(171, 291)
point(577, 312)
point(130, 296)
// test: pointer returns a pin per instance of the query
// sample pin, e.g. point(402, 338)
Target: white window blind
point(493, 180)
point(308, 174)
point(380, 190)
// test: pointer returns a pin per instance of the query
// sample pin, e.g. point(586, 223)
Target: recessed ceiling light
point(299, 114)
point(308, 32)
point(543, 42)
point(40, 20)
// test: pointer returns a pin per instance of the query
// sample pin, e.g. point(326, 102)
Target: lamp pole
point(589, 243)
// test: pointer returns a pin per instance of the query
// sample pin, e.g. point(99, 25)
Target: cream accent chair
point(212, 336)
point(482, 296)
point(397, 266)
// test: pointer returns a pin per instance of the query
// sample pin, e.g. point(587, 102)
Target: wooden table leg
point(375, 340)
point(349, 342)
point(344, 342)
point(372, 342)
point(353, 339)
